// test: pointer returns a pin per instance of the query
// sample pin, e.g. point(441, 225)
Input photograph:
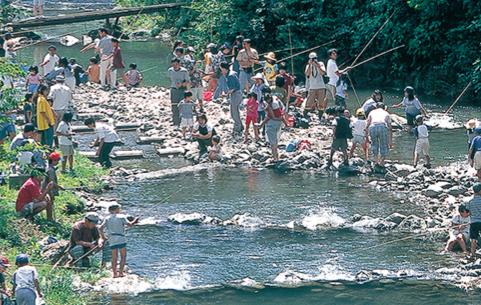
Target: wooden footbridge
point(91, 15)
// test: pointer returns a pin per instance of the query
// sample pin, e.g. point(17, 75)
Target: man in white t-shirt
point(107, 136)
point(61, 95)
point(50, 60)
point(333, 73)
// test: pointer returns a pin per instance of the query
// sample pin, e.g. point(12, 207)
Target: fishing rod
point(459, 97)
point(383, 53)
point(354, 89)
point(378, 31)
point(141, 71)
point(288, 57)
point(96, 247)
point(410, 237)
point(276, 51)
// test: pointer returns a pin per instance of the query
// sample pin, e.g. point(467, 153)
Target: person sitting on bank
point(85, 238)
point(23, 137)
point(203, 133)
point(107, 136)
point(30, 200)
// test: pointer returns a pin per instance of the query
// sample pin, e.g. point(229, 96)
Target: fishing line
point(141, 71)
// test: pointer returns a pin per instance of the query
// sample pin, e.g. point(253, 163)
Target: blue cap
point(21, 258)
point(477, 130)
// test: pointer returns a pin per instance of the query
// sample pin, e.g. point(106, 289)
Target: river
point(276, 254)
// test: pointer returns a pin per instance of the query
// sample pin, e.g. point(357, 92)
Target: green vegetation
point(20, 236)
point(441, 37)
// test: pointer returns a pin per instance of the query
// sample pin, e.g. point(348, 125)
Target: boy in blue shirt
point(474, 206)
point(186, 111)
point(474, 155)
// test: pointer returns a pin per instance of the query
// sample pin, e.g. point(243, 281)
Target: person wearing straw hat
point(270, 68)
point(314, 72)
point(470, 126)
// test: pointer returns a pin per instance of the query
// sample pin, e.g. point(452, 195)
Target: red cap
point(55, 156)
point(4, 262)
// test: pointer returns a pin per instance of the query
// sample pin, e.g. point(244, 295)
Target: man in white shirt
point(61, 95)
point(50, 60)
point(333, 73)
point(107, 136)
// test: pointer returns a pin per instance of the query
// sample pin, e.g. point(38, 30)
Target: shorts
point(454, 233)
point(120, 246)
point(119, 70)
point(197, 93)
point(477, 160)
point(187, 122)
point(67, 150)
point(26, 210)
point(411, 118)
point(357, 139)
point(331, 92)
point(250, 119)
point(315, 96)
point(340, 101)
point(474, 230)
point(339, 144)
point(422, 144)
point(39, 2)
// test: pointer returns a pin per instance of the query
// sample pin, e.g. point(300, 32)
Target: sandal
point(470, 258)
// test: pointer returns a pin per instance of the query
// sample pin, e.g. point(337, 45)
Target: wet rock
point(373, 223)
point(390, 176)
point(396, 218)
point(457, 190)
point(53, 252)
point(363, 276)
point(433, 191)
point(403, 170)
point(287, 165)
point(412, 222)
point(193, 219)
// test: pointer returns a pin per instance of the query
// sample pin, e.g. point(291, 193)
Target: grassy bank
point(19, 236)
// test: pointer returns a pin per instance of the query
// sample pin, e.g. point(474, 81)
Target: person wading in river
point(179, 79)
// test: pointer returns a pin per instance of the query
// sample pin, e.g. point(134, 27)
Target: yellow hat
point(271, 56)
point(360, 111)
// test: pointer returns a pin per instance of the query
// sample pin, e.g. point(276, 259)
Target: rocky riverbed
point(438, 191)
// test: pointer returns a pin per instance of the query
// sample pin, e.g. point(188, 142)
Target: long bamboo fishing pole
point(302, 52)
point(459, 97)
point(290, 39)
point(374, 57)
point(372, 38)
point(276, 51)
point(96, 247)
point(354, 89)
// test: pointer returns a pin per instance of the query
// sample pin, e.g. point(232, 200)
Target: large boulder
point(403, 170)
point(433, 191)
point(53, 252)
point(457, 190)
point(396, 218)
point(412, 222)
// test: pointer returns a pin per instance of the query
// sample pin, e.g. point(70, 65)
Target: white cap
point(312, 55)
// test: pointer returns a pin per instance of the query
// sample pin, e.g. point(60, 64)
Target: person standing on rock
point(179, 79)
point(316, 92)
point(106, 49)
point(235, 95)
point(475, 150)
point(85, 237)
point(380, 131)
point(474, 206)
point(106, 138)
point(273, 122)
point(246, 59)
point(61, 94)
point(50, 60)
point(333, 73)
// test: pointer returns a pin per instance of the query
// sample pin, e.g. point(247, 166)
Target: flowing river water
point(276, 254)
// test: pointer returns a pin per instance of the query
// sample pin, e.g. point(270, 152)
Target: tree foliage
point(441, 37)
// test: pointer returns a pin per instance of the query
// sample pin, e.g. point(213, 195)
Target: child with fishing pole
point(115, 225)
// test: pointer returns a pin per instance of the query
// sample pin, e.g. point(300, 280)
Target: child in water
point(421, 134)
point(460, 232)
point(215, 152)
point(115, 225)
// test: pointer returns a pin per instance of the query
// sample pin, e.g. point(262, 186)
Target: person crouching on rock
point(474, 155)
point(107, 136)
point(30, 201)
point(215, 152)
point(203, 133)
point(85, 238)
point(115, 225)
point(460, 232)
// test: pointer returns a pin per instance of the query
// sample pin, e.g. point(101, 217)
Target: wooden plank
point(92, 15)
point(127, 154)
point(89, 154)
point(119, 143)
point(127, 126)
point(148, 140)
point(170, 151)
